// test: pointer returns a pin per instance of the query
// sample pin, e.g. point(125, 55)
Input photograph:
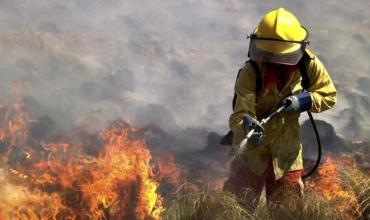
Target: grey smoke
point(172, 63)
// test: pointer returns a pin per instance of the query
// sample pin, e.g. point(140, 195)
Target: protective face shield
point(276, 51)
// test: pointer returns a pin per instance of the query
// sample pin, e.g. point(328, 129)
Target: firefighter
point(273, 158)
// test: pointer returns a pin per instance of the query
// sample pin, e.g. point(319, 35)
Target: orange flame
point(123, 169)
point(60, 181)
point(168, 169)
point(329, 185)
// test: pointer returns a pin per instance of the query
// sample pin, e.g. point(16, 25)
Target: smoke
point(168, 63)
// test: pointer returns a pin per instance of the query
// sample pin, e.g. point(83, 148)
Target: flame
point(127, 162)
point(59, 180)
point(169, 170)
point(218, 184)
point(328, 184)
point(19, 202)
point(16, 128)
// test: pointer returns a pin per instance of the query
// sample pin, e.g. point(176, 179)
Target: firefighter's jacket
point(282, 142)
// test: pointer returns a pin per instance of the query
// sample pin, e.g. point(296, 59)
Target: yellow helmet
point(279, 38)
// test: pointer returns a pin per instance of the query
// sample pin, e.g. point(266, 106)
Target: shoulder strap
point(234, 99)
point(302, 64)
point(258, 78)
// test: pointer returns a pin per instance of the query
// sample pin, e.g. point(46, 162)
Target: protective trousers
point(248, 186)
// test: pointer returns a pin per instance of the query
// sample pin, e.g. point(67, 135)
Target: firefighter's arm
point(321, 89)
point(245, 90)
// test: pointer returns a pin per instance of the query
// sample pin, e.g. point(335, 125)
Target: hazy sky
point(172, 63)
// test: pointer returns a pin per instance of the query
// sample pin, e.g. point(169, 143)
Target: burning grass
point(59, 180)
point(201, 205)
point(340, 191)
point(329, 184)
point(62, 178)
point(358, 183)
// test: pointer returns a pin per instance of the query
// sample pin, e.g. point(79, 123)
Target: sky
point(168, 63)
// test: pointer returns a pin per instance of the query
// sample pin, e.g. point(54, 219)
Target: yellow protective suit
point(282, 143)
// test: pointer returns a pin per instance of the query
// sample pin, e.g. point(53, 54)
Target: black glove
point(259, 132)
point(297, 103)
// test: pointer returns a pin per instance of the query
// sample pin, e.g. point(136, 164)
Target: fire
point(59, 180)
point(16, 128)
point(328, 184)
point(169, 170)
point(218, 184)
point(127, 162)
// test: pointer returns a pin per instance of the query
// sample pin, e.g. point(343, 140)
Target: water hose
point(319, 148)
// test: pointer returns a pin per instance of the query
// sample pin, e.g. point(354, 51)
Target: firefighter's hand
point(297, 103)
point(259, 132)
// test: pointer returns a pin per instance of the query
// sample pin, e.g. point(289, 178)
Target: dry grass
point(359, 184)
point(192, 203)
point(312, 206)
